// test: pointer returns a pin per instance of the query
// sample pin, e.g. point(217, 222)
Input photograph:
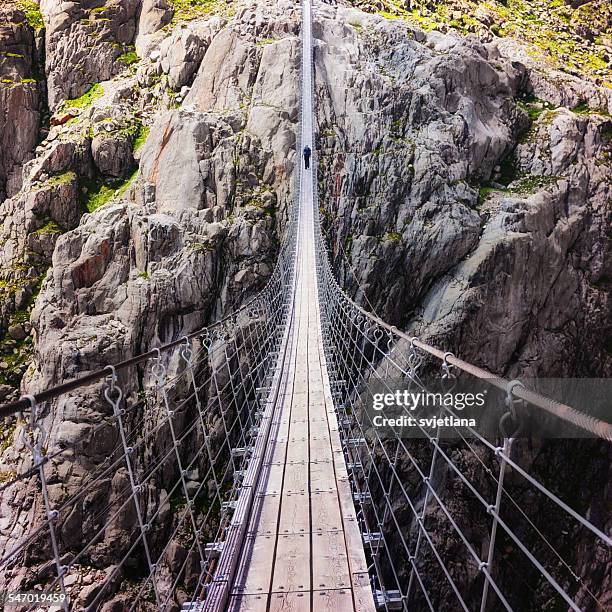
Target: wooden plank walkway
point(303, 549)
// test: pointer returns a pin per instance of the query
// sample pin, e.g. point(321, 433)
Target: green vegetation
point(6, 439)
point(61, 179)
point(484, 193)
point(395, 237)
point(135, 131)
point(16, 353)
point(531, 183)
point(545, 118)
point(202, 247)
point(551, 27)
point(186, 10)
point(99, 192)
point(125, 185)
point(32, 13)
point(93, 93)
point(263, 199)
point(129, 58)
point(584, 109)
point(98, 195)
point(266, 41)
point(17, 55)
point(50, 227)
point(533, 106)
point(141, 136)
point(524, 185)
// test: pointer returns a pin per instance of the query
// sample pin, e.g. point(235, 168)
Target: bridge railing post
point(114, 396)
point(34, 437)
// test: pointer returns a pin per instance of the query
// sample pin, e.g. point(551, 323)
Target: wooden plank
point(362, 593)
point(278, 455)
point(319, 427)
point(247, 603)
point(280, 429)
point(354, 546)
point(325, 511)
point(299, 408)
point(322, 476)
point(298, 450)
point(320, 449)
point(318, 410)
point(345, 494)
point(296, 477)
point(294, 513)
point(292, 568)
point(272, 479)
point(264, 519)
point(301, 381)
point(290, 602)
point(330, 566)
point(298, 431)
point(255, 569)
point(317, 386)
point(338, 600)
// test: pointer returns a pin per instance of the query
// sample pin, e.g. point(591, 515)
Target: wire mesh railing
point(145, 501)
point(443, 526)
point(444, 521)
point(134, 506)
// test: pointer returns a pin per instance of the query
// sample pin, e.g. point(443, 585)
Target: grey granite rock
point(83, 42)
point(20, 97)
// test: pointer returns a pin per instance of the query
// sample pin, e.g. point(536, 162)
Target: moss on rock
point(93, 93)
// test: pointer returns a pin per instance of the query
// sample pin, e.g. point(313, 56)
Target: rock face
point(455, 210)
point(573, 36)
point(466, 206)
point(195, 235)
point(84, 42)
point(183, 51)
point(465, 201)
point(20, 96)
point(154, 14)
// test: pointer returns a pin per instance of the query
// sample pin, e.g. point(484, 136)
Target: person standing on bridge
point(307, 154)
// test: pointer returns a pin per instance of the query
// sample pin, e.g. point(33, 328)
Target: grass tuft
point(32, 13)
point(128, 58)
point(87, 99)
point(141, 136)
point(100, 192)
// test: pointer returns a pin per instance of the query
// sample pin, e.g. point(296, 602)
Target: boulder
point(181, 53)
point(113, 155)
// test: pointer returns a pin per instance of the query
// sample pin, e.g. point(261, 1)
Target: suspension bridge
point(244, 473)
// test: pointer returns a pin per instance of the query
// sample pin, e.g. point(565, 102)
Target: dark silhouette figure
point(307, 154)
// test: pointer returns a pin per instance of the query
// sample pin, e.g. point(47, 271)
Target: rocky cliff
point(153, 205)
point(470, 192)
point(147, 160)
point(466, 195)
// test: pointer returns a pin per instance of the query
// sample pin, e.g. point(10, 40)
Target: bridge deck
point(303, 549)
